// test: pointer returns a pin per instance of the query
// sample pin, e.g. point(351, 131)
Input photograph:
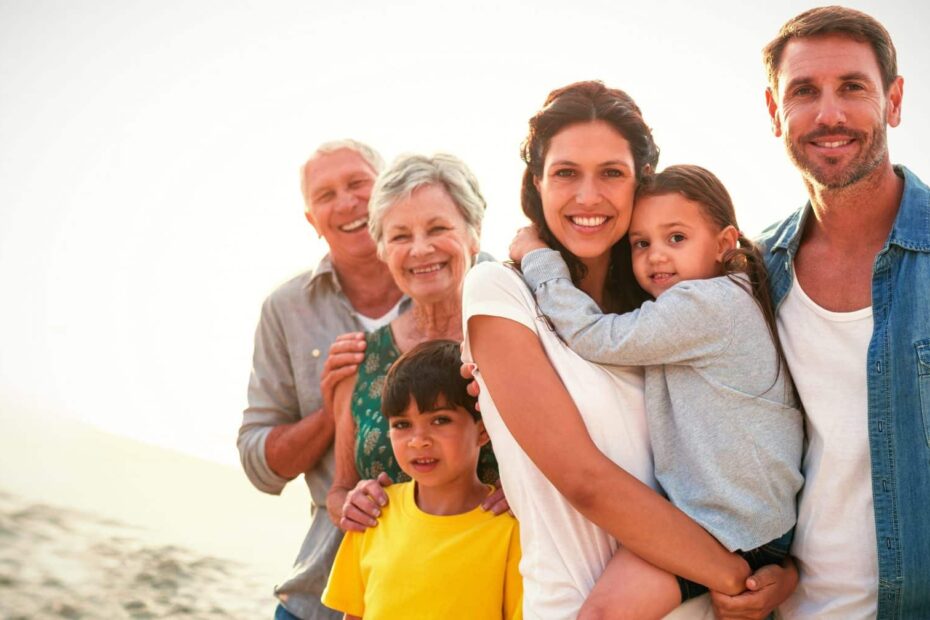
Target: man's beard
point(873, 151)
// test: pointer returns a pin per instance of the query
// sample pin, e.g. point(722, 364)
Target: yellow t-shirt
point(421, 566)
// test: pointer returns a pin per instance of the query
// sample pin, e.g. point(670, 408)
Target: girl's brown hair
point(585, 102)
point(703, 187)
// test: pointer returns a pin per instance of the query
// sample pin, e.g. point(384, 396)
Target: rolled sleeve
point(272, 401)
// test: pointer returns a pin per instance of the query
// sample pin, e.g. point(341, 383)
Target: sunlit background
point(149, 195)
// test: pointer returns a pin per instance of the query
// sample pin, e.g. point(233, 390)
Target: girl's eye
point(400, 424)
point(676, 238)
point(441, 419)
point(640, 244)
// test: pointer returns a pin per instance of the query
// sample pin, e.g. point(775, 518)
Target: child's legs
point(631, 588)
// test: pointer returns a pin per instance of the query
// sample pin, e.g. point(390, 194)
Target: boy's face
point(437, 447)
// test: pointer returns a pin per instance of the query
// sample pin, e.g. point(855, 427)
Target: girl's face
point(673, 240)
point(427, 246)
point(587, 188)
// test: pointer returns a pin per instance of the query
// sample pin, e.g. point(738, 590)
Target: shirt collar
point(324, 271)
point(911, 228)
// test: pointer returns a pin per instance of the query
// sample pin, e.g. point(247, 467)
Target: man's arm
point(275, 443)
point(291, 449)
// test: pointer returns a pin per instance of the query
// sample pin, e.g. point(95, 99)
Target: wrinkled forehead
point(325, 168)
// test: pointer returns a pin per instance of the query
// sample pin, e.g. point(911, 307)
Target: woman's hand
point(766, 589)
point(525, 241)
point(364, 503)
point(496, 502)
point(345, 354)
point(468, 370)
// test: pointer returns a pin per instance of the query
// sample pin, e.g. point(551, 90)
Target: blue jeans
point(282, 614)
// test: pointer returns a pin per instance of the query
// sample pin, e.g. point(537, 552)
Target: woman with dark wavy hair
point(570, 436)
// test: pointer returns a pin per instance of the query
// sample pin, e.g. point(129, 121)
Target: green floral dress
point(373, 453)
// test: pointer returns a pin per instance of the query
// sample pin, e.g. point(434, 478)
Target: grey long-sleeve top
point(723, 422)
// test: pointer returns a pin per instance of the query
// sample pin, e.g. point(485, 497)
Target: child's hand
point(363, 504)
point(525, 241)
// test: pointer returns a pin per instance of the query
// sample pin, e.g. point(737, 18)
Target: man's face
point(338, 188)
point(833, 110)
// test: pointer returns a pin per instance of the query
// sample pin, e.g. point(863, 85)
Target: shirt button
point(315, 353)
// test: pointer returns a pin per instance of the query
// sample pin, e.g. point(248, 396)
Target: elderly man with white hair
point(288, 428)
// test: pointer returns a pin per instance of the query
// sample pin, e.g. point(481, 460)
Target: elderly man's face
point(832, 109)
point(338, 188)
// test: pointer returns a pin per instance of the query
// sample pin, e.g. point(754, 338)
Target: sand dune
point(62, 563)
point(97, 526)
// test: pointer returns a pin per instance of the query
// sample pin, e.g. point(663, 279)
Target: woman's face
point(427, 246)
point(587, 187)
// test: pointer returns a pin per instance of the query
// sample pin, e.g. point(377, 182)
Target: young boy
point(434, 553)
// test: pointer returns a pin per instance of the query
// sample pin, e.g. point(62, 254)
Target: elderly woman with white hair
point(425, 217)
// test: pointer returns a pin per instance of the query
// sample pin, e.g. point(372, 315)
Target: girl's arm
point(543, 419)
point(688, 322)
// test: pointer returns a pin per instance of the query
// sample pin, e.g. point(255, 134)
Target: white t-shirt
point(563, 553)
point(835, 542)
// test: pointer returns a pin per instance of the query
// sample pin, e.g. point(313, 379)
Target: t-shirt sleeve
point(513, 582)
point(491, 289)
point(345, 590)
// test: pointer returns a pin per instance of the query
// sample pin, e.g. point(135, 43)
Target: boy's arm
point(682, 325)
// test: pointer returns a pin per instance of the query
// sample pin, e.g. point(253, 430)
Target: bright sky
point(149, 196)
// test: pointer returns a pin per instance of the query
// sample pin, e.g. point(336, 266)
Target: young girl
point(723, 420)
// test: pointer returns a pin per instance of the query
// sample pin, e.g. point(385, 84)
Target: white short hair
point(409, 172)
point(371, 157)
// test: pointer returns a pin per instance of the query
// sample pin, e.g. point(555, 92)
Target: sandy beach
point(98, 526)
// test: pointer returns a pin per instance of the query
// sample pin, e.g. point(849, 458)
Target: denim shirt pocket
point(923, 379)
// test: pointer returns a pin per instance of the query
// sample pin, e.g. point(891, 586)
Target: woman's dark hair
point(585, 102)
point(428, 374)
point(703, 187)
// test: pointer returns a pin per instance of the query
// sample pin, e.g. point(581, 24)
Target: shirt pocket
point(923, 380)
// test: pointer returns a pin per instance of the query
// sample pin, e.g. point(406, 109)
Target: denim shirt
point(899, 392)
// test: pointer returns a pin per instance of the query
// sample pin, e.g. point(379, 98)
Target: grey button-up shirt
point(299, 322)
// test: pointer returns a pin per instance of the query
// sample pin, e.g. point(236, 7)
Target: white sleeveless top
point(563, 553)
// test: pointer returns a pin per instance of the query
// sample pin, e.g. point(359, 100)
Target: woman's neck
point(442, 320)
point(594, 281)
